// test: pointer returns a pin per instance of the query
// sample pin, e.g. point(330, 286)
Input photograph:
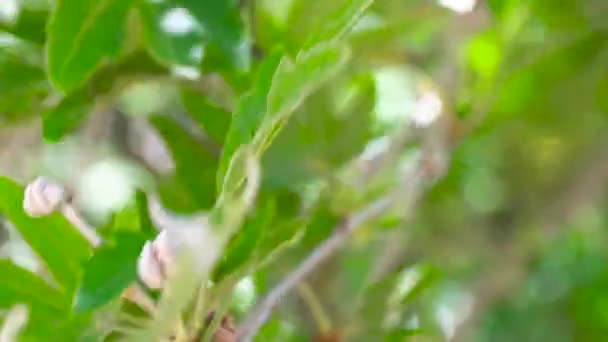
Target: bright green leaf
point(249, 113)
point(59, 245)
point(66, 115)
point(20, 286)
point(111, 269)
point(78, 39)
point(194, 166)
point(214, 120)
point(339, 23)
point(220, 20)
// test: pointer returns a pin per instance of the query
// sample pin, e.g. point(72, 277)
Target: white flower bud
point(149, 268)
point(190, 238)
point(42, 197)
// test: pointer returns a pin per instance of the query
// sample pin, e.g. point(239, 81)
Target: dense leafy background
point(117, 96)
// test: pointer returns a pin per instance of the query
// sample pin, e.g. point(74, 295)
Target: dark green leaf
point(280, 236)
point(22, 89)
point(532, 81)
point(20, 286)
point(195, 168)
point(322, 135)
point(29, 26)
point(214, 120)
point(183, 48)
point(249, 113)
point(175, 196)
point(242, 247)
point(292, 83)
point(111, 269)
point(59, 245)
point(66, 115)
point(220, 20)
point(78, 39)
point(146, 225)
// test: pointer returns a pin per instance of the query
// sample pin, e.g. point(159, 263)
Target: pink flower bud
point(42, 197)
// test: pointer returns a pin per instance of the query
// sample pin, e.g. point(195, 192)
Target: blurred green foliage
point(508, 246)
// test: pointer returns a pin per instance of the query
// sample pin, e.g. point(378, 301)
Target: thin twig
point(137, 295)
point(316, 308)
point(88, 232)
point(327, 248)
point(424, 170)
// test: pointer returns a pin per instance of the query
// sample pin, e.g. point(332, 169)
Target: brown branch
point(406, 196)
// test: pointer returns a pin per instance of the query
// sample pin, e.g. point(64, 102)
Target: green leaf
point(244, 244)
point(111, 269)
point(341, 130)
point(146, 226)
point(22, 89)
point(220, 20)
point(80, 34)
point(20, 286)
point(292, 83)
point(214, 120)
point(249, 113)
point(526, 85)
point(183, 48)
point(59, 245)
point(29, 26)
point(66, 115)
point(195, 168)
point(337, 24)
point(316, 21)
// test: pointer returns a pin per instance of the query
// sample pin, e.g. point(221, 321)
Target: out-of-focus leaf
point(78, 39)
point(339, 22)
point(22, 88)
point(184, 45)
point(317, 21)
point(195, 168)
point(111, 269)
point(533, 81)
point(282, 234)
point(322, 135)
point(20, 286)
point(214, 120)
point(601, 93)
point(240, 250)
point(29, 25)
point(249, 113)
point(43, 327)
point(146, 226)
point(390, 296)
point(66, 115)
point(59, 245)
point(220, 20)
point(292, 83)
point(175, 196)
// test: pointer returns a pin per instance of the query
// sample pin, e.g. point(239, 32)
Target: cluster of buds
point(159, 258)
